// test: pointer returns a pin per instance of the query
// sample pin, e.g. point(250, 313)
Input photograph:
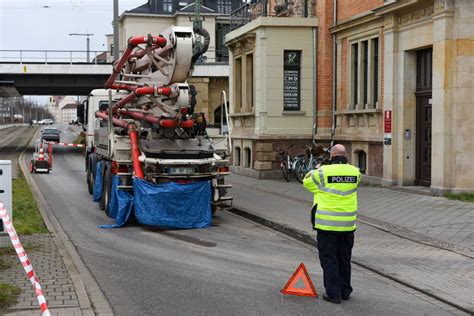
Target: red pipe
point(132, 43)
point(129, 87)
point(115, 121)
point(137, 166)
point(166, 91)
point(132, 132)
point(158, 121)
point(129, 98)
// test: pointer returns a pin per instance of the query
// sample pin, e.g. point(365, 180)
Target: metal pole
point(116, 31)
point(88, 47)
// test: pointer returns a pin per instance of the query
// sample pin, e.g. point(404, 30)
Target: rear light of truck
point(223, 169)
point(118, 169)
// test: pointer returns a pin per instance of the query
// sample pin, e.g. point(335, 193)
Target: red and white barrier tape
point(69, 145)
point(24, 259)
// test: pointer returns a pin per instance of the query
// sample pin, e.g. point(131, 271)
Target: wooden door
point(423, 140)
point(423, 117)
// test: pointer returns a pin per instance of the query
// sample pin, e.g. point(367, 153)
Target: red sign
point(387, 122)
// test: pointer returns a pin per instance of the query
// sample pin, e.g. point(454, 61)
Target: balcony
point(270, 8)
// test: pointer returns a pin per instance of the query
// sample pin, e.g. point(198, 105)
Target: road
point(235, 267)
point(13, 141)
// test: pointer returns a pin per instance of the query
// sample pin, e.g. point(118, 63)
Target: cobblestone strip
point(54, 278)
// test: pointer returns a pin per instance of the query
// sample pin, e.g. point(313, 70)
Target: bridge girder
point(55, 84)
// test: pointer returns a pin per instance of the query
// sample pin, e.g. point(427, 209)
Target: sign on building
point(291, 80)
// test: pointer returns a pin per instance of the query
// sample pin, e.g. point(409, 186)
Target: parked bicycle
point(287, 164)
point(317, 155)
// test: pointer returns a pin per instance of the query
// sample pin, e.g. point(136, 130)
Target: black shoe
point(345, 298)
point(332, 300)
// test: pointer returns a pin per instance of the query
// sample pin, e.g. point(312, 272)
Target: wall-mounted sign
point(387, 122)
point(291, 80)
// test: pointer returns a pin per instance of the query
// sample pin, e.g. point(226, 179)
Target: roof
point(70, 106)
point(190, 8)
point(144, 8)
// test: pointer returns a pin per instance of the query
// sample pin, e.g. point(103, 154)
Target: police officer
point(335, 200)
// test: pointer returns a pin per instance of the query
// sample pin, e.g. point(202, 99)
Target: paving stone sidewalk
point(55, 280)
point(447, 274)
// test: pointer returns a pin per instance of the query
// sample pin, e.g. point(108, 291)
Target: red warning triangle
point(300, 274)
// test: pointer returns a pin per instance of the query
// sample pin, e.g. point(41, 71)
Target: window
point(237, 156)
point(249, 81)
point(247, 157)
point(238, 84)
point(355, 73)
point(364, 74)
point(361, 161)
point(375, 54)
point(222, 53)
point(168, 5)
point(224, 6)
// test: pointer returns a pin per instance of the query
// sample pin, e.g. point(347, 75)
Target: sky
point(46, 24)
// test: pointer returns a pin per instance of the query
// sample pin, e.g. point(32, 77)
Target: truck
point(143, 125)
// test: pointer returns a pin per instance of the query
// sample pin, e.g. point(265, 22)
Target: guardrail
point(84, 57)
point(275, 8)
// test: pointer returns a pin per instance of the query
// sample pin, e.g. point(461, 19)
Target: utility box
point(5, 198)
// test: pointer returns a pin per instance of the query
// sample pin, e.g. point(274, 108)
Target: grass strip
point(26, 216)
point(464, 197)
point(4, 265)
point(8, 296)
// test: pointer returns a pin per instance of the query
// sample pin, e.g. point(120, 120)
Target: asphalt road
point(235, 267)
point(12, 142)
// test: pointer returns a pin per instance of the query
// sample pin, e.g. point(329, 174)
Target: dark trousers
point(335, 250)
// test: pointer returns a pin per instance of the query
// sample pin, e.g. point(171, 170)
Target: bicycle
point(316, 155)
point(287, 163)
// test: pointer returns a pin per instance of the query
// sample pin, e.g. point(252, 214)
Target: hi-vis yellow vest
point(335, 193)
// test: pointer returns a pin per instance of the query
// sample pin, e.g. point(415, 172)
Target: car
point(48, 122)
point(50, 134)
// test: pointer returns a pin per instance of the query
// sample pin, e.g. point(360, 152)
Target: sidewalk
point(432, 249)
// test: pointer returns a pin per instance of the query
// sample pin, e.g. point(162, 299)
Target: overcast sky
point(46, 24)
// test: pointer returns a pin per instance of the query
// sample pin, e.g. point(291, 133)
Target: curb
point(308, 239)
point(91, 299)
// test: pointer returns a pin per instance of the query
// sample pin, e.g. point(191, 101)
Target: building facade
point(394, 84)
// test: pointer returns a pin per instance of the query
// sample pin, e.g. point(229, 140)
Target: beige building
point(272, 92)
point(69, 112)
point(400, 97)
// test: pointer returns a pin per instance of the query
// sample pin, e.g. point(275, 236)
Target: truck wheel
point(105, 198)
point(31, 167)
point(91, 162)
point(213, 208)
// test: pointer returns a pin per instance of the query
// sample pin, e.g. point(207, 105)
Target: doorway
point(424, 79)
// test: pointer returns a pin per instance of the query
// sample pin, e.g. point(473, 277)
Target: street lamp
point(88, 41)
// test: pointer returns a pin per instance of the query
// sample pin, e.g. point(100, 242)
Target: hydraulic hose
point(207, 40)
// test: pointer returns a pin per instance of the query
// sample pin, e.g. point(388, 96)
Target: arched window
point(362, 161)
point(247, 157)
point(237, 156)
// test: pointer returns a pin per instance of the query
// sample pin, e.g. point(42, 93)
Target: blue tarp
point(173, 205)
point(98, 182)
point(167, 205)
point(120, 206)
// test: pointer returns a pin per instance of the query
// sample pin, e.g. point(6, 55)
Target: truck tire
point(106, 185)
point(91, 166)
point(31, 167)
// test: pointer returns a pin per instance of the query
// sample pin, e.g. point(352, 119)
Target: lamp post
point(87, 39)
